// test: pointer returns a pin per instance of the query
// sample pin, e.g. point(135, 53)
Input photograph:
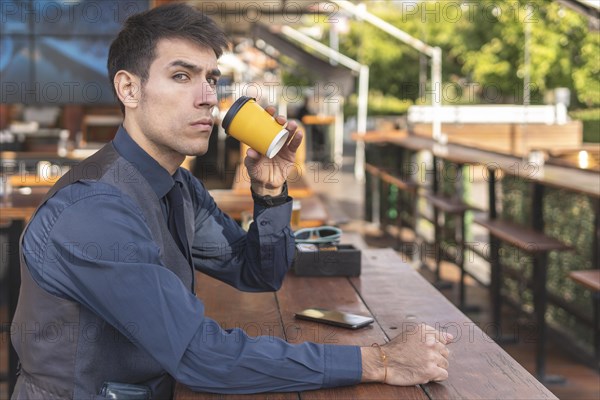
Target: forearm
point(250, 261)
point(222, 361)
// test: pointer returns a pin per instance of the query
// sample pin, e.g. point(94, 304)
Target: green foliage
point(483, 45)
point(587, 76)
point(568, 217)
point(379, 104)
point(591, 123)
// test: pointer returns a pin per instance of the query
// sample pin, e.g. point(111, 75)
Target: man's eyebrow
point(184, 64)
point(193, 67)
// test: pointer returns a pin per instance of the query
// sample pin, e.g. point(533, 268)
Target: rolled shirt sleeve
point(265, 362)
point(106, 261)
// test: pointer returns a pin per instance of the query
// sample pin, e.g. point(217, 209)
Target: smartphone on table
point(337, 318)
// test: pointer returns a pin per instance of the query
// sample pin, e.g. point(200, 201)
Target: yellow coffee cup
point(249, 123)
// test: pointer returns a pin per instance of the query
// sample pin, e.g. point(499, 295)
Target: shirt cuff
point(272, 220)
point(343, 366)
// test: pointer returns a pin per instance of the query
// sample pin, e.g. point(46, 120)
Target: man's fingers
point(448, 337)
point(291, 126)
point(442, 375)
point(443, 337)
point(445, 352)
point(280, 120)
point(295, 141)
point(253, 154)
point(443, 363)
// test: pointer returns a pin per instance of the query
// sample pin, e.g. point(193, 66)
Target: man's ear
point(128, 88)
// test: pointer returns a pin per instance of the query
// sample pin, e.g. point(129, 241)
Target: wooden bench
point(590, 279)
point(526, 239)
point(538, 245)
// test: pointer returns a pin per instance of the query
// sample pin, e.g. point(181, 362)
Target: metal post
point(363, 89)
point(496, 283)
point(434, 52)
point(338, 150)
point(436, 82)
point(363, 99)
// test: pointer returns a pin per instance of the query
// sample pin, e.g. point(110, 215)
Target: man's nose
point(206, 96)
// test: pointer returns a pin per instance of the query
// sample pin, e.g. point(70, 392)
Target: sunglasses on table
point(321, 234)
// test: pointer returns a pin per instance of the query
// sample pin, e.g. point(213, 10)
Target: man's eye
point(212, 81)
point(180, 77)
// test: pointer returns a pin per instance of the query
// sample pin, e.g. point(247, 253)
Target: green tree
point(587, 76)
point(483, 44)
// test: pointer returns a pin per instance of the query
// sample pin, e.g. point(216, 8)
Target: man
point(107, 260)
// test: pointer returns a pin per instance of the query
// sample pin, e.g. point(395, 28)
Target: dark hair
point(134, 48)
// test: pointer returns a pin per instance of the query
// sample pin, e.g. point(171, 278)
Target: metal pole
point(385, 26)
point(320, 48)
point(338, 151)
point(434, 52)
point(363, 95)
point(361, 121)
point(334, 41)
point(436, 82)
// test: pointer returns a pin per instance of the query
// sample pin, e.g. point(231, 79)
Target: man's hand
point(415, 357)
point(267, 176)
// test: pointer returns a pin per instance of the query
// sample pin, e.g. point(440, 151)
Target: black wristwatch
point(271, 201)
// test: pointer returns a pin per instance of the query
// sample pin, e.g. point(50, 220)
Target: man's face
point(175, 109)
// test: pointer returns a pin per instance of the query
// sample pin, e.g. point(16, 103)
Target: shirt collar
point(158, 177)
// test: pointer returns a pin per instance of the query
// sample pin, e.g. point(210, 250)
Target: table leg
point(596, 300)
point(438, 242)
point(540, 294)
point(596, 295)
point(496, 268)
point(461, 264)
point(399, 221)
point(496, 282)
point(375, 201)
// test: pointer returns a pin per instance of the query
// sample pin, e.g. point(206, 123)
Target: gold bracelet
point(383, 360)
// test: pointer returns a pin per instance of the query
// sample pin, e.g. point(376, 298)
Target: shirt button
point(264, 223)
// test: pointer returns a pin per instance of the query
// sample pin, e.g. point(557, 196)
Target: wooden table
point(21, 203)
point(398, 298)
point(571, 179)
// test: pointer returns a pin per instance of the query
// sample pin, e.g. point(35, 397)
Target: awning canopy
point(323, 72)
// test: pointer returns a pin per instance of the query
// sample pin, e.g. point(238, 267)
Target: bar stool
point(455, 208)
point(590, 279)
point(533, 242)
point(409, 187)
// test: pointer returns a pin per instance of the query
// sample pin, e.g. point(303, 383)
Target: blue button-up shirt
point(89, 243)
